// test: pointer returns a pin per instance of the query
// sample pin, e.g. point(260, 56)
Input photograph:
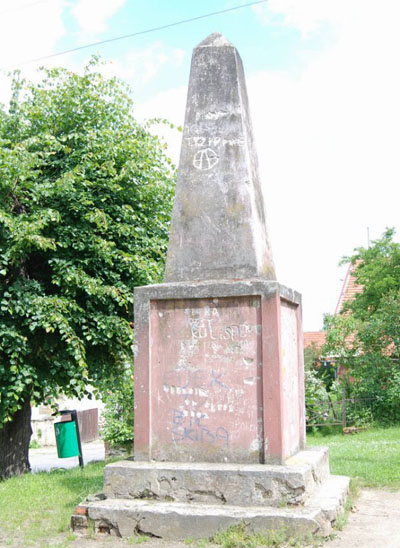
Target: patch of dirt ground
point(374, 522)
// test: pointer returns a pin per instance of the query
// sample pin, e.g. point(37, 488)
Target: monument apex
point(218, 226)
point(215, 39)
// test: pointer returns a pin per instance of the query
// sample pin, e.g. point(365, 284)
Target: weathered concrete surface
point(218, 372)
point(230, 484)
point(218, 225)
point(174, 520)
point(329, 499)
point(373, 522)
point(179, 521)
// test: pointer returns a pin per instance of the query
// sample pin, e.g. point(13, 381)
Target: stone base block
point(177, 520)
point(219, 483)
point(218, 372)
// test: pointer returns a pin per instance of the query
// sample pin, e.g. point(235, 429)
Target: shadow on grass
point(81, 482)
point(325, 431)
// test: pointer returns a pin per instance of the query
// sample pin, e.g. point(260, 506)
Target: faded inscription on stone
point(206, 395)
point(218, 228)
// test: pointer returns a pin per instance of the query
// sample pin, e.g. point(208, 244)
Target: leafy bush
point(321, 390)
point(323, 405)
point(359, 415)
point(365, 337)
point(118, 413)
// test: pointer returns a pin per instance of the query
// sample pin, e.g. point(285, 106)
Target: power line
point(154, 29)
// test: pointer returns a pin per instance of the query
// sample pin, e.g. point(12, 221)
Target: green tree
point(365, 337)
point(118, 414)
point(311, 357)
point(85, 202)
point(321, 389)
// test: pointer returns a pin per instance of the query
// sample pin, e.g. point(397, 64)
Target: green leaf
point(85, 203)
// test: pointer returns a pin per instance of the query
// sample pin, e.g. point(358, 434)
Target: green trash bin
point(66, 439)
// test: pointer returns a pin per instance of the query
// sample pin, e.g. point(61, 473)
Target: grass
point(341, 521)
point(36, 507)
point(138, 539)
point(34, 445)
point(373, 455)
point(238, 537)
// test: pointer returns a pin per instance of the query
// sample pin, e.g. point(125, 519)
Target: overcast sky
point(324, 88)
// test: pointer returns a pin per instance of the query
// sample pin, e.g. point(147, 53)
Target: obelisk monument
point(219, 365)
point(218, 225)
point(219, 391)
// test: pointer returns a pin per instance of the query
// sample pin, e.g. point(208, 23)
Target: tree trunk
point(15, 437)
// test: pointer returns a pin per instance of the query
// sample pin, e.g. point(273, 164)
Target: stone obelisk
point(218, 225)
point(219, 390)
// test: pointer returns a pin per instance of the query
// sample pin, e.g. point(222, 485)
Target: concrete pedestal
point(218, 372)
point(181, 500)
point(219, 423)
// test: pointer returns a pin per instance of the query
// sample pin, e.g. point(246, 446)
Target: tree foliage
point(118, 414)
point(365, 338)
point(85, 202)
point(321, 388)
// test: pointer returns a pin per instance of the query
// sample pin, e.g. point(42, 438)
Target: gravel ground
point(374, 523)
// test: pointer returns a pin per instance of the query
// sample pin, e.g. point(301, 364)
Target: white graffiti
point(205, 159)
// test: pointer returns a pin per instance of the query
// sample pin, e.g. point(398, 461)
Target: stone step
point(330, 498)
point(177, 521)
point(219, 483)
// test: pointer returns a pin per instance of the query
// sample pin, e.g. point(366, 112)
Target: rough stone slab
point(218, 227)
point(211, 289)
point(330, 498)
point(219, 483)
point(177, 521)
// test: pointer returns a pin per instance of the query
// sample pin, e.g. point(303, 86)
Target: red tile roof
point(314, 337)
point(349, 289)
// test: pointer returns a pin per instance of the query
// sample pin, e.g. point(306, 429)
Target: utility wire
point(154, 29)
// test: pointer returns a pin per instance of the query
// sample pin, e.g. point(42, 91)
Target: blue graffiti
point(191, 429)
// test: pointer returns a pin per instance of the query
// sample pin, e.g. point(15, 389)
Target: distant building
point(318, 338)
point(349, 289)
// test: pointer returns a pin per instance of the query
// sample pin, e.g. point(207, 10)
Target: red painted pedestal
point(219, 377)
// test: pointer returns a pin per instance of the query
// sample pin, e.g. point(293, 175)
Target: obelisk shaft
point(218, 227)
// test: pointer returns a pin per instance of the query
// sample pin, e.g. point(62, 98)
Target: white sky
point(328, 143)
point(327, 134)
